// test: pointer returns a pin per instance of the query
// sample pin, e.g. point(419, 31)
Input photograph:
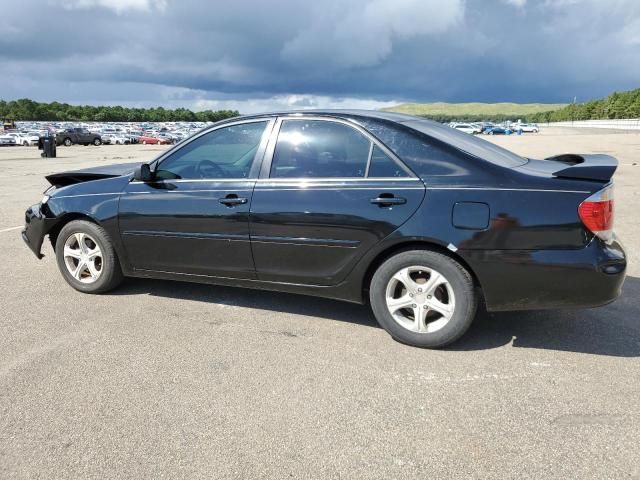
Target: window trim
point(265, 170)
point(255, 164)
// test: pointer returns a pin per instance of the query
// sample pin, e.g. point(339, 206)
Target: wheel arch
point(392, 250)
point(65, 219)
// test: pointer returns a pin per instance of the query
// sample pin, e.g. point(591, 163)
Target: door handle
point(232, 200)
point(386, 200)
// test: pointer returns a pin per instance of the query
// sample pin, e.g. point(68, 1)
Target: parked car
point(149, 140)
point(498, 130)
point(115, 139)
point(24, 139)
point(467, 128)
point(77, 135)
point(7, 140)
point(526, 127)
point(416, 219)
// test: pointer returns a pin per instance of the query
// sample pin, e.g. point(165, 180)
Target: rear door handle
point(232, 200)
point(384, 201)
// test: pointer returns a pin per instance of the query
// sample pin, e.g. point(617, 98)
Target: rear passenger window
point(384, 166)
point(319, 149)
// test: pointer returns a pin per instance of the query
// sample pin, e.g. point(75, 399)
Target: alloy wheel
point(420, 299)
point(83, 257)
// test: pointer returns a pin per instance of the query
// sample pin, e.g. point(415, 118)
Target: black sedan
point(415, 218)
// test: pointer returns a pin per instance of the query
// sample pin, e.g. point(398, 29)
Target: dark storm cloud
point(197, 52)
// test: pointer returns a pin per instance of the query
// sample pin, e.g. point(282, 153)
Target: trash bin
point(48, 147)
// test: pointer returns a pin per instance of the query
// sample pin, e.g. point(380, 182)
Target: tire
point(97, 142)
point(456, 291)
point(67, 142)
point(108, 267)
point(25, 144)
point(144, 142)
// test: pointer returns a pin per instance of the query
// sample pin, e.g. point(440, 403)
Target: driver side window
point(225, 153)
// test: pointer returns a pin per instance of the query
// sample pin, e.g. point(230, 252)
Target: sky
point(260, 55)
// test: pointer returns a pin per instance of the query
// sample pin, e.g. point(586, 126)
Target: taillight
point(596, 213)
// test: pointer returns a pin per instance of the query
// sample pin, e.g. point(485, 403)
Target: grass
point(488, 110)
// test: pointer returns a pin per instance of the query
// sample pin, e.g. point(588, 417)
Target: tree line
point(618, 105)
point(25, 109)
point(615, 106)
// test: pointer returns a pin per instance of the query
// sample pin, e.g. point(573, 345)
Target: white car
point(115, 139)
point(527, 127)
point(6, 139)
point(467, 128)
point(25, 139)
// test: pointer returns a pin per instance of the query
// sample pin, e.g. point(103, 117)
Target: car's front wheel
point(423, 298)
point(67, 142)
point(86, 257)
point(97, 142)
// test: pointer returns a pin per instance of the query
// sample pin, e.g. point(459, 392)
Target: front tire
point(86, 257)
point(423, 298)
point(67, 142)
point(97, 142)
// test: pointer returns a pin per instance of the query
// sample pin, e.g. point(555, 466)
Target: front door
point(329, 194)
point(193, 217)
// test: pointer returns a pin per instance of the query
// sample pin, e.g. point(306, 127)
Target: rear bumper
point(540, 279)
point(37, 225)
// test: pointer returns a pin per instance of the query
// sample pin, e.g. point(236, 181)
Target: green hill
point(443, 112)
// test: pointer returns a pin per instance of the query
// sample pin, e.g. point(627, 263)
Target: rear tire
point(426, 285)
point(67, 142)
point(86, 257)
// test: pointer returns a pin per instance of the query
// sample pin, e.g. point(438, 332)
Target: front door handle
point(386, 200)
point(232, 200)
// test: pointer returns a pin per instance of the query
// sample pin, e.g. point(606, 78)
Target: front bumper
point(37, 225)
point(540, 279)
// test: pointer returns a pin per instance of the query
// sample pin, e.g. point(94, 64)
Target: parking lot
point(176, 380)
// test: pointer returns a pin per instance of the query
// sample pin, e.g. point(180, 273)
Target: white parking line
point(9, 229)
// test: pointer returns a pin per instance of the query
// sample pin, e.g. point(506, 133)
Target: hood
point(86, 175)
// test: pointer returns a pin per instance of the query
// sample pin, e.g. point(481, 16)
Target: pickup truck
point(77, 135)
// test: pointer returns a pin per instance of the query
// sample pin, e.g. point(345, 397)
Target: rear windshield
point(468, 143)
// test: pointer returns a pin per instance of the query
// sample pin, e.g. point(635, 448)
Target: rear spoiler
point(597, 167)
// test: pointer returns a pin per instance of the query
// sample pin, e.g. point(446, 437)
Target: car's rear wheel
point(25, 144)
point(67, 142)
point(86, 257)
point(423, 298)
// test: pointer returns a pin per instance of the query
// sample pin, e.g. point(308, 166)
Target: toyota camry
point(414, 218)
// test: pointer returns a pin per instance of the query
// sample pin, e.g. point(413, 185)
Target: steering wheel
point(208, 169)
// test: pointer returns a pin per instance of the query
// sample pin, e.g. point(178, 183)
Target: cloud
point(516, 3)
point(361, 34)
point(289, 53)
point(119, 6)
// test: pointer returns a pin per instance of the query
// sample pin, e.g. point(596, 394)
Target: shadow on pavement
point(612, 330)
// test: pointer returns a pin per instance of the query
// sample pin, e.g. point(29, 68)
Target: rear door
point(194, 217)
point(327, 193)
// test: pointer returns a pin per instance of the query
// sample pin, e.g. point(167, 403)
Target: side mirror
point(143, 173)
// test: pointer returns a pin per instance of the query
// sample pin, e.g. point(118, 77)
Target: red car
point(146, 140)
